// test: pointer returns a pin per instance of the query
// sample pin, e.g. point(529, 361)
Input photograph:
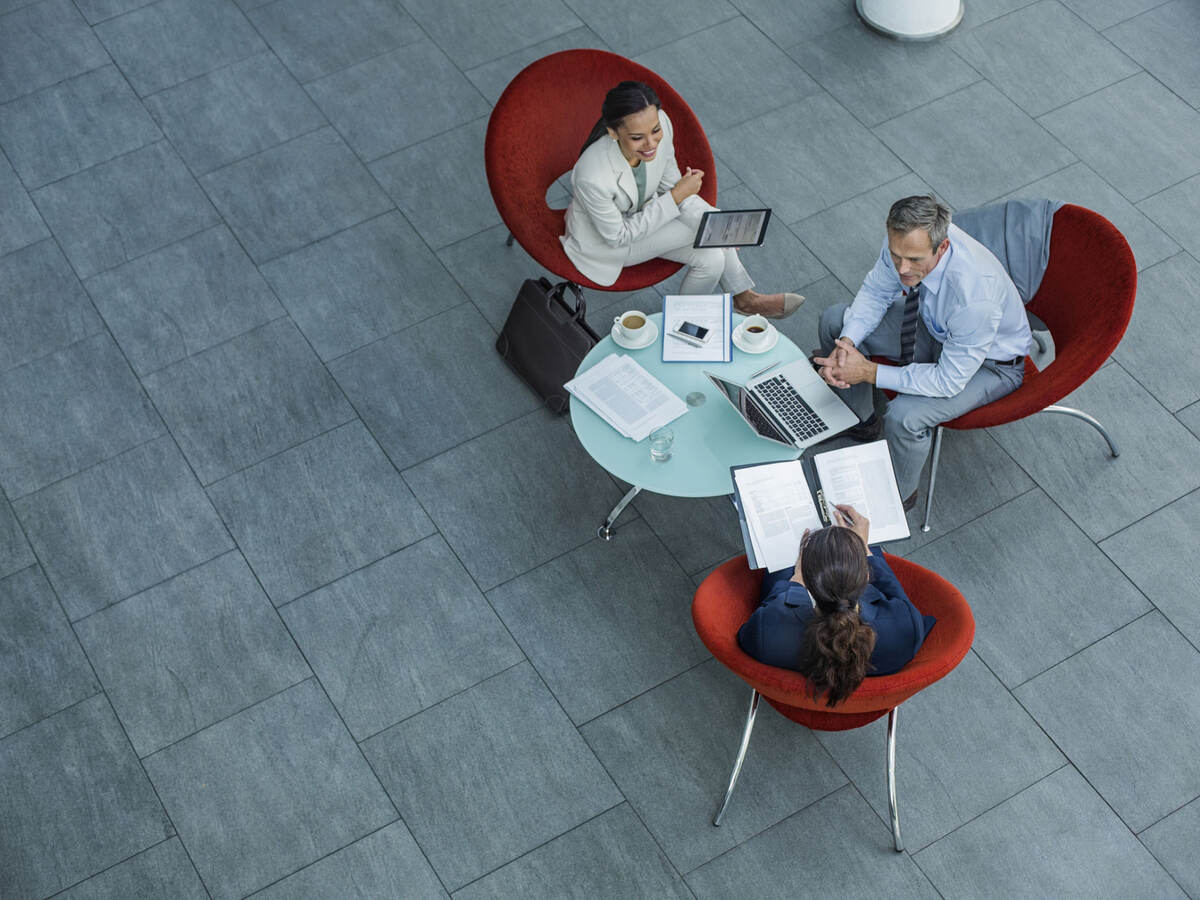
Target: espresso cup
point(755, 330)
point(631, 324)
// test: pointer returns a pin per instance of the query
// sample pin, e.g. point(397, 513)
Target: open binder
point(777, 501)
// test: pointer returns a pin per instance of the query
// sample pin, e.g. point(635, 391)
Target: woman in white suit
point(630, 204)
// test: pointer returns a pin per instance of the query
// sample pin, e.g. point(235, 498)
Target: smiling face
point(913, 254)
point(638, 135)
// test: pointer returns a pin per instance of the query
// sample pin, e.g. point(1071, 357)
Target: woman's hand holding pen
point(688, 185)
point(797, 576)
point(849, 517)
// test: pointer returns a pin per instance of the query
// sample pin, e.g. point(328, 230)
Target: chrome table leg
point(606, 530)
point(741, 756)
point(893, 812)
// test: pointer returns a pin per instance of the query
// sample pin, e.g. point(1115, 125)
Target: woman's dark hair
point(835, 651)
point(625, 99)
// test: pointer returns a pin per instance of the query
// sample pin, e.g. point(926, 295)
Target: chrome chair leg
point(933, 464)
point(741, 755)
point(606, 530)
point(1079, 414)
point(893, 811)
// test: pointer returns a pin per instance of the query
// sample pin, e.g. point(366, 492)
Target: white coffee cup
point(755, 330)
point(631, 324)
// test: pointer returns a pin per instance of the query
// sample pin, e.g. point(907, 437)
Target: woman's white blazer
point(602, 223)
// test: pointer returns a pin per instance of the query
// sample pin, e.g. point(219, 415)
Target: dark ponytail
point(625, 99)
point(835, 651)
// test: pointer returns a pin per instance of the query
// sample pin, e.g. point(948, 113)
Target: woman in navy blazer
point(630, 204)
point(838, 616)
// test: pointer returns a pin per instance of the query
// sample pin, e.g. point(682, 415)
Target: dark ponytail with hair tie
point(625, 99)
point(835, 652)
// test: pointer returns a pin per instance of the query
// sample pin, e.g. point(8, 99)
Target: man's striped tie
point(908, 330)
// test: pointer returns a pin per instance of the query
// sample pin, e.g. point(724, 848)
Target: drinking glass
point(661, 440)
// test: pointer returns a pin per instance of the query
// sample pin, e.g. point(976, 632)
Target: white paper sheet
point(626, 396)
point(711, 311)
point(778, 508)
point(862, 477)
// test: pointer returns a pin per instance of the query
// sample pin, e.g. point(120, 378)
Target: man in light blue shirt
point(943, 308)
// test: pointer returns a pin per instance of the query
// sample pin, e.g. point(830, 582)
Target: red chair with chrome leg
point(534, 135)
point(1086, 300)
point(725, 600)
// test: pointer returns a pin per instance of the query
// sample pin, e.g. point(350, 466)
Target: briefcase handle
point(558, 292)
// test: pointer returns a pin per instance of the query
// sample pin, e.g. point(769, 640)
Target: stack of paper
point(626, 396)
point(777, 501)
point(862, 477)
point(778, 507)
point(711, 311)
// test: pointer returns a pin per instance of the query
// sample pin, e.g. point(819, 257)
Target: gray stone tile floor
point(276, 621)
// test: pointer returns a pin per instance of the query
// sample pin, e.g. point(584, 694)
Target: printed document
point(711, 311)
point(778, 507)
point(777, 501)
point(862, 477)
point(626, 396)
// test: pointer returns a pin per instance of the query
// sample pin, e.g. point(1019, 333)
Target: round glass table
point(709, 438)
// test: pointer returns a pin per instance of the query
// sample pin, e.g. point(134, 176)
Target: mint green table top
point(708, 438)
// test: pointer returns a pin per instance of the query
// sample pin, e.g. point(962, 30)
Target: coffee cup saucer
point(770, 339)
point(651, 334)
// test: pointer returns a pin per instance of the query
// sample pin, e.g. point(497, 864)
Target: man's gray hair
point(922, 211)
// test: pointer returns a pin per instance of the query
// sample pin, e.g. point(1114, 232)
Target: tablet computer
point(732, 228)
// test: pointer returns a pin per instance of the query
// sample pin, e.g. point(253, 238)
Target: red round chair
point(534, 135)
point(1086, 299)
point(724, 601)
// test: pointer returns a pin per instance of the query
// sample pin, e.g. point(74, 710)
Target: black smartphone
point(691, 332)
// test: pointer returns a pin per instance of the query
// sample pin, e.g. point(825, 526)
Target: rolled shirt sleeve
point(969, 305)
point(969, 333)
point(878, 292)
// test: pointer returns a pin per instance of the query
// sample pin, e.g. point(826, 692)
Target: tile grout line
point(1088, 781)
point(386, 728)
point(729, 850)
point(309, 865)
point(111, 708)
point(61, 891)
point(1067, 764)
point(438, 532)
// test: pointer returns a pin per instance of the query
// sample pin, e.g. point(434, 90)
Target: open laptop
point(789, 404)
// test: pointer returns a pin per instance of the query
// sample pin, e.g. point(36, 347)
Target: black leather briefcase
point(545, 338)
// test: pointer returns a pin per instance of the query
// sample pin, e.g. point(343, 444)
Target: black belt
point(1008, 362)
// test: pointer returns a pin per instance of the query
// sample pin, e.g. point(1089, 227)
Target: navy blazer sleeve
point(772, 633)
point(900, 628)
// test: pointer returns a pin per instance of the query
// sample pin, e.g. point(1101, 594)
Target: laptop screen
point(744, 403)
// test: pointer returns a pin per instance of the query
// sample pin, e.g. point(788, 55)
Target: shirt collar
point(933, 281)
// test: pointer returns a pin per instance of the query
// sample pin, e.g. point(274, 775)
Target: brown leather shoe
point(865, 432)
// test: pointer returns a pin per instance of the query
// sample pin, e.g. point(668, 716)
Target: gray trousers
point(706, 268)
point(909, 420)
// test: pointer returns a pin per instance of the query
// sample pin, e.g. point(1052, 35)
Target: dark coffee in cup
point(756, 329)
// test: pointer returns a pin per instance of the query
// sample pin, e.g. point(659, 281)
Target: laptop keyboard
point(788, 405)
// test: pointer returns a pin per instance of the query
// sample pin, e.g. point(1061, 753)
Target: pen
point(764, 369)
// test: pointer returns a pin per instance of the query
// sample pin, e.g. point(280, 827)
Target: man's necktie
point(908, 330)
